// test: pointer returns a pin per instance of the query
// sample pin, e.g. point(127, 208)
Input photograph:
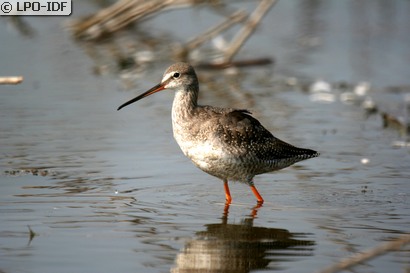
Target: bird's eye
point(176, 75)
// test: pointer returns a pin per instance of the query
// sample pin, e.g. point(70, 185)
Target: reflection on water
point(240, 247)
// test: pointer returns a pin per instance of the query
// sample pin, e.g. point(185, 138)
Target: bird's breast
point(201, 148)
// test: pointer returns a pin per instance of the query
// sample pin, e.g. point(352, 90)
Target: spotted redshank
point(227, 143)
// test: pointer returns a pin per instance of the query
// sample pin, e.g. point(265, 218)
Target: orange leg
point(227, 192)
point(255, 210)
point(257, 194)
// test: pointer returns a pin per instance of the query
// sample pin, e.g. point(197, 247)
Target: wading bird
point(227, 143)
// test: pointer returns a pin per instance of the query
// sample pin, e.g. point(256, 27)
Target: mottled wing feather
point(243, 134)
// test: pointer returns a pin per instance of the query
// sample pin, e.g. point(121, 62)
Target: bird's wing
point(242, 134)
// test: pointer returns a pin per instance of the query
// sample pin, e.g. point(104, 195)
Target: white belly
point(204, 154)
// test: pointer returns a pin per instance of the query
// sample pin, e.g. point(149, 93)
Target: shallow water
point(110, 191)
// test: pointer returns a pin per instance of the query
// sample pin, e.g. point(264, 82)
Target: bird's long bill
point(153, 90)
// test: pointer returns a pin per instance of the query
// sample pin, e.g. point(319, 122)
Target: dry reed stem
point(11, 80)
point(236, 17)
point(381, 249)
point(248, 29)
point(122, 14)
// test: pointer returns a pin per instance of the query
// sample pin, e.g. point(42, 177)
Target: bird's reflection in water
point(242, 247)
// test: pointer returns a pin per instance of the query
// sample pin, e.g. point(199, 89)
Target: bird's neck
point(185, 103)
